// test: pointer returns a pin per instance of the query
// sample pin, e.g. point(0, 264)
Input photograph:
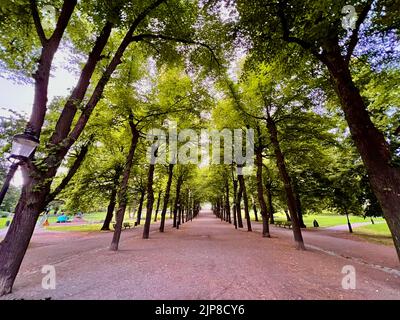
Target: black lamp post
point(23, 146)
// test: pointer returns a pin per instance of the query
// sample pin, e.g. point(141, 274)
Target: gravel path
point(205, 259)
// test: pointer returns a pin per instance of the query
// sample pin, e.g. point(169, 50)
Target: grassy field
point(378, 233)
point(94, 220)
point(92, 226)
point(324, 220)
point(3, 222)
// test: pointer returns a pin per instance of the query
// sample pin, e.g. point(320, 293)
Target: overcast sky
point(19, 97)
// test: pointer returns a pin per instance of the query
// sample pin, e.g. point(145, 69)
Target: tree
point(134, 22)
point(302, 27)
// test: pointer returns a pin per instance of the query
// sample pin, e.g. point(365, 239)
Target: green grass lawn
point(3, 222)
point(82, 228)
point(378, 233)
point(95, 227)
point(94, 220)
point(323, 220)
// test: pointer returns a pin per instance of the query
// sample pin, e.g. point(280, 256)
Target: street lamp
point(22, 147)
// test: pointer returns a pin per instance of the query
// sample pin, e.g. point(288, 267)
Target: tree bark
point(237, 206)
point(110, 210)
point(166, 197)
point(37, 183)
point(299, 210)
point(179, 214)
point(36, 186)
point(150, 201)
point(254, 209)
point(113, 200)
point(176, 204)
point(71, 172)
point(68, 113)
point(243, 191)
point(299, 207)
point(280, 161)
point(11, 171)
point(260, 194)
point(348, 222)
point(140, 208)
point(384, 176)
point(158, 205)
point(122, 194)
point(42, 75)
point(227, 204)
point(271, 209)
point(235, 222)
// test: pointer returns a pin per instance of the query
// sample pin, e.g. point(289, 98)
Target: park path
point(345, 245)
point(204, 259)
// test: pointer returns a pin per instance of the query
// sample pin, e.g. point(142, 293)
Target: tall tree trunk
point(384, 176)
point(280, 161)
point(71, 172)
point(221, 208)
point(113, 198)
point(260, 193)
point(11, 171)
point(299, 207)
point(179, 213)
point(254, 209)
point(122, 194)
point(227, 205)
point(139, 212)
point(150, 201)
point(299, 210)
point(166, 197)
point(176, 204)
point(158, 205)
point(110, 209)
point(348, 221)
point(235, 222)
point(238, 201)
point(242, 187)
point(36, 185)
point(288, 219)
point(271, 209)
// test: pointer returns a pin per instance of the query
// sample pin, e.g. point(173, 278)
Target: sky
point(19, 97)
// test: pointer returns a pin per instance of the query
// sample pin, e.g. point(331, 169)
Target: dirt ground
point(207, 259)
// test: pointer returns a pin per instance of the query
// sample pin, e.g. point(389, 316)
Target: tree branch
point(355, 35)
point(62, 22)
point(64, 121)
point(397, 132)
point(286, 32)
point(37, 22)
point(71, 172)
point(116, 60)
point(144, 36)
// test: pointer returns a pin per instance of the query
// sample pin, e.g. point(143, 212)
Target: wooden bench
point(125, 225)
point(283, 224)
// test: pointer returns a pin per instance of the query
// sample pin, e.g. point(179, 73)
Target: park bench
point(125, 225)
point(283, 224)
